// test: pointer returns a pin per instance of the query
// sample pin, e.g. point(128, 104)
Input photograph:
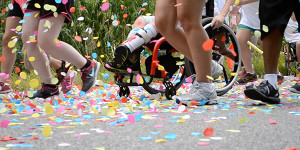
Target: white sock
point(132, 33)
point(272, 78)
point(139, 41)
point(206, 85)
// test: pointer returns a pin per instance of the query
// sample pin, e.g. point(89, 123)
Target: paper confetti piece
point(235, 131)
point(242, 120)
point(170, 136)
point(131, 118)
point(160, 141)
point(203, 143)
point(78, 38)
point(4, 123)
point(208, 45)
point(64, 144)
point(2, 58)
point(209, 131)
point(146, 138)
point(47, 131)
point(265, 28)
point(105, 6)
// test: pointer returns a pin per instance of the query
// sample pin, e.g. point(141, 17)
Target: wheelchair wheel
point(169, 86)
point(231, 67)
point(124, 91)
point(290, 61)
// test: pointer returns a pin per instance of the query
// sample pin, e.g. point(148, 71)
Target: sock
point(132, 33)
point(206, 85)
point(272, 78)
point(87, 64)
point(139, 41)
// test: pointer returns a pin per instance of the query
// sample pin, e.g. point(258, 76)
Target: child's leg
point(298, 51)
point(190, 16)
point(243, 37)
point(167, 24)
point(47, 42)
point(7, 65)
point(30, 26)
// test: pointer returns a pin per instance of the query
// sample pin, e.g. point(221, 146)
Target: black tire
point(230, 77)
point(124, 91)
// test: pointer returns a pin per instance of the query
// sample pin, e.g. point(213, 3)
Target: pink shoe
point(67, 82)
point(4, 88)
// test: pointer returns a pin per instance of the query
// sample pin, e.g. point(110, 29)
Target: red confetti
point(122, 7)
point(72, 9)
point(2, 58)
point(17, 69)
point(251, 112)
point(125, 15)
point(78, 38)
point(208, 45)
point(82, 8)
point(209, 131)
point(143, 9)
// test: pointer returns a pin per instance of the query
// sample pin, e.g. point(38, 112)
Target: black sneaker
point(295, 88)
point(89, 76)
point(122, 54)
point(247, 77)
point(265, 92)
point(128, 64)
point(46, 92)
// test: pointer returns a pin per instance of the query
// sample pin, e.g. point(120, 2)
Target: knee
point(6, 38)
point(163, 25)
point(189, 23)
point(44, 43)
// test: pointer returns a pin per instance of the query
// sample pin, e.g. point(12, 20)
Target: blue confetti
point(108, 44)
point(94, 55)
point(154, 133)
point(82, 93)
point(196, 134)
point(170, 136)
point(58, 1)
point(27, 14)
point(105, 76)
point(146, 138)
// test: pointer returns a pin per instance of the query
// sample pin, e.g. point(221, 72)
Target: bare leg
point(190, 16)
point(298, 51)
point(243, 37)
point(272, 45)
point(29, 27)
point(65, 51)
point(55, 63)
point(10, 58)
point(167, 24)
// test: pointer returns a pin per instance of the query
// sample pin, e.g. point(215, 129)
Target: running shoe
point(5, 88)
point(264, 92)
point(89, 76)
point(46, 92)
point(198, 93)
point(247, 77)
point(295, 88)
point(67, 82)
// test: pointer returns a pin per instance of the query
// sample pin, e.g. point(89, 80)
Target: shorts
point(16, 11)
point(63, 9)
point(244, 27)
point(276, 13)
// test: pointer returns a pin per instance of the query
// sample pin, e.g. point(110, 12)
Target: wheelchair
point(163, 69)
point(290, 57)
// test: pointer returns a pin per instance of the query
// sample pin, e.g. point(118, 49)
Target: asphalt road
point(237, 124)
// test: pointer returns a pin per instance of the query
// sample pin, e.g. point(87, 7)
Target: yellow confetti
point(161, 68)
point(23, 75)
point(14, 50)
point(48, 110)
point(47, 24)
point(181, 121)
point(31, 59)
point(37, 5)
point(11, 44)
point(257, 33)
point(32, 38)
point(29, 94)
point(204, 140)
point(47, 131)
point(233, 131)
point(98, 44)
point(265, 28)
point(111, 112)
point(19, 28)
point(17, 82)
point(237, 2)
point(209, 77)
point(54, 81)
point(34, 83)
point(233, 74)
point(99, 148)
point(160, 141)
point(35, 115)
point(116, 104)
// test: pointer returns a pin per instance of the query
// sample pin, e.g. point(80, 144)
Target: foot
point(5, 88)
point(133, 66)
point(122, 54)
point(62, 71)
point(46, 92)
point(229, 53)
point(265, 92)
point(247, 77)
point(198, 93)
point(295, 88)
point(216, 70)
point(89, 76)
point(67, 82)
point(280, 78)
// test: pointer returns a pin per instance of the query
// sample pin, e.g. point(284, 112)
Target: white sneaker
point(197, 93)
point(216, 70)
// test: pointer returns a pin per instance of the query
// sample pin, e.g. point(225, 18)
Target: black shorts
point(16, 11)
point(276, 13)
point(62, 9)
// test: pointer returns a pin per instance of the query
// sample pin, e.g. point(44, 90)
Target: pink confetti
point(203, 143)
point(105, 6)
point(65, 1)
point(189, 80)
point(131, 118)
point(58, 44)
point(61, 109)
point(129, 70)
point(107, 65)
point(138, 77)
point(158, 126)
point(29, 112)
point(4, 123)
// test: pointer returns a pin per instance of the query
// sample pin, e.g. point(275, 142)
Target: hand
point(233, 23)
point(217, 21)
point(234, 11)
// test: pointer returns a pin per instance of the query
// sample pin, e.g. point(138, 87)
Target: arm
point(244, 2)
point(218, 20)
